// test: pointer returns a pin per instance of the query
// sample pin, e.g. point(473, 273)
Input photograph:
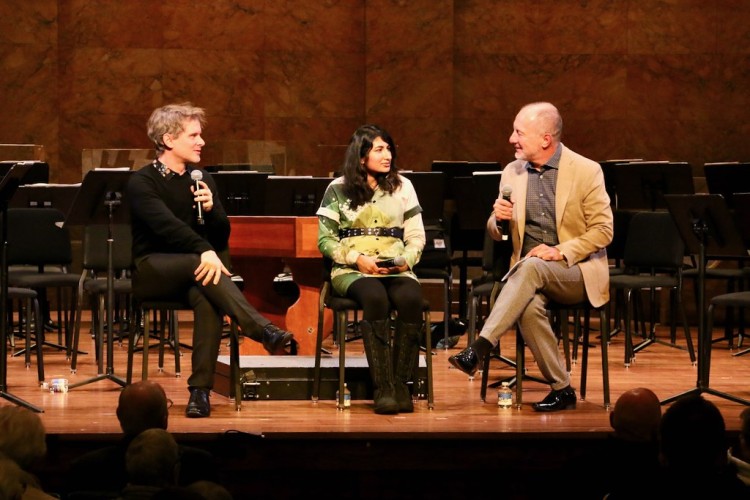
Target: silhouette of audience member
point(23, 442)
point(694, 453)
point(739, 455)
point(210, 490)
point(142, 405)
point(633, 447)
point(12, 484)
point(152, 461)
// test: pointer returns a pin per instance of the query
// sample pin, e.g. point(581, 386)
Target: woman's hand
point(369, 265)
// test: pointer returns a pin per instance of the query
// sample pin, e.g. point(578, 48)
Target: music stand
point(643, 185)
point(8, 186)
point(100, 201)
point(727, 179)
point(707, 228)
point(475, 195)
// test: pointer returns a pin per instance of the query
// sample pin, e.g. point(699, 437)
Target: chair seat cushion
point(736, 299)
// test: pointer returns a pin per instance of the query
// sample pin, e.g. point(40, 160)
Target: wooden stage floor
point(461, 433)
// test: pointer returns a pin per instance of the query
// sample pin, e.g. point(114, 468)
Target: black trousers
point(171, 277)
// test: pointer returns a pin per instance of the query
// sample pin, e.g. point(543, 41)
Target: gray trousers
point(523, 300)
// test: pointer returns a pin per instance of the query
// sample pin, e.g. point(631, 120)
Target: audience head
point(142, 405)
point(637, 415)
point(210, 490)
point(22, 436)
point(693, 435)
point(12, 485)
point(152, 459)
point(744, 438)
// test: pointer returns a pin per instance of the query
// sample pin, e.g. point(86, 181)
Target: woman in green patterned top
point(370, 227)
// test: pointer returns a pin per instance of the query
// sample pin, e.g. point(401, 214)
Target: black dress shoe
point(467, 361)
point(276, 340)
point(564, 399)
point(198, 405)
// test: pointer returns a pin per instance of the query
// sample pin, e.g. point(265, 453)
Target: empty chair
point(40, 255)
point(93, 282)
point(653, 258)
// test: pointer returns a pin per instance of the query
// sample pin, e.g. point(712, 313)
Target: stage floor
point(90, 409)
point(297, 448)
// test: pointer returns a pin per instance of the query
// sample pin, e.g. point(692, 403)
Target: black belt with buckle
point(394, 232)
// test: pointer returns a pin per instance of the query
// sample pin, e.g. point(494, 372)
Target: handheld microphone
point(504, 224)
point(394, 262)
point(197, 175)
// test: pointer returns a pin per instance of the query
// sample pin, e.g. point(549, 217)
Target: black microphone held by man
point(504, 225)
point(197, 175)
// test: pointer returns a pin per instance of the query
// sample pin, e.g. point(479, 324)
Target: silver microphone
point(397, 261)
point(504, 224)
point(197, 175)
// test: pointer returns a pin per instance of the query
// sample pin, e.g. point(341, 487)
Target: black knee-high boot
point(405, 355)
point(376, 337)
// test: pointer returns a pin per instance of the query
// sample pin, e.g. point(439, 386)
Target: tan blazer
point(584, 218)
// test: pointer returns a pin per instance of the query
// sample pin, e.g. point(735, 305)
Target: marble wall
point(655, 79)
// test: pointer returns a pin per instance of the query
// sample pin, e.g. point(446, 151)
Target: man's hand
point(545, 252)
point(210, 268)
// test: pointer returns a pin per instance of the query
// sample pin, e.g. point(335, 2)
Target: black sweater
point(164, 219)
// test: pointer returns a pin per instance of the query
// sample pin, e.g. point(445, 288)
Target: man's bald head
point(637, 415)
point(142, 405)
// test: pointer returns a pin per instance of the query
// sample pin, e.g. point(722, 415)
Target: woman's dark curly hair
point(356, 187)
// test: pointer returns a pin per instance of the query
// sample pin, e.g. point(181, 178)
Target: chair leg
point(38, 322)
point(341, 334)
point(428, 360)
point(318, 353)
point(604, 326)
point(145, 338)
point(234, 364)
point(520, 362)
point(585, 352)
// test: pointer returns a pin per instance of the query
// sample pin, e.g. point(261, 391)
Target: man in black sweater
point(179, 230)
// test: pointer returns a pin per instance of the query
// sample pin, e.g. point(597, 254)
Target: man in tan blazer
point(560, 222)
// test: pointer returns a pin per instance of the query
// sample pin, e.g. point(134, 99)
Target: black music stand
point(643, 185)
point(707, 228)
point(99, 201)
point(8, 186)
point(475, 195)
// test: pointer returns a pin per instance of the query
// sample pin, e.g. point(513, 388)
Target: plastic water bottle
point(347, 399)
point(505, 396)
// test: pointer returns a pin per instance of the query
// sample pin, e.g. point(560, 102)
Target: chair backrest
point(36, 237)
point(621, 222)
point(496, 257)
point(654, 243)
point(95, 248)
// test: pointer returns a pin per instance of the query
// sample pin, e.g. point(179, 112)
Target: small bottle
point(347, 399)
point(505, 396)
